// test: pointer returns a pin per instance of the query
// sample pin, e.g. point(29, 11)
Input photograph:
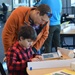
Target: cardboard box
point(62, 62)
point(68, 28)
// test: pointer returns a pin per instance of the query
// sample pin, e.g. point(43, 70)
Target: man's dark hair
point(27, 32)
point(43, 8)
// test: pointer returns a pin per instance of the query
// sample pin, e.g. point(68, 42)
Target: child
point(21, 52)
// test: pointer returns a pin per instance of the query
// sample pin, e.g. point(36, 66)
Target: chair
point(1, 17)
point(2, 70)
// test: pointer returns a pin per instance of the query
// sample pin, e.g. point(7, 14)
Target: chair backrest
point(2, 70)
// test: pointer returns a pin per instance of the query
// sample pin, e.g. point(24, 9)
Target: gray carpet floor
point(1, 45)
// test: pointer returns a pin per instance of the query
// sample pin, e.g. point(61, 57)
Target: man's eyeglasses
point(49, 14)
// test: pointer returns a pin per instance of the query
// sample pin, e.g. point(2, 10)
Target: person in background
point(21, 52)
point(54, 31)
point(37, 17)
point(4, 10)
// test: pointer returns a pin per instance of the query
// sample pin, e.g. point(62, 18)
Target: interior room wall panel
point(66, 4)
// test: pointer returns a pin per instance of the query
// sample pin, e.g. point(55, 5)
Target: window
point(72, 2)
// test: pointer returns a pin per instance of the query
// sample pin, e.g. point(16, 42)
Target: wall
point(9, 2)
point(67, 6)
point(5, 1)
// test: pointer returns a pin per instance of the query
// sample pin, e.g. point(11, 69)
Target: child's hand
point(35, 59)
point(39, 57)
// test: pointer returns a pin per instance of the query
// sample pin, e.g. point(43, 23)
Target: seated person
point(21, 52)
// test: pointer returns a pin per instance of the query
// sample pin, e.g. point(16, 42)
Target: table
point(45, 71)
point(70, 33)
point(47, 67)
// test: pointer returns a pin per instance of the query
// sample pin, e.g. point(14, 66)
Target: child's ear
point(21, 38)
point(38, 12)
